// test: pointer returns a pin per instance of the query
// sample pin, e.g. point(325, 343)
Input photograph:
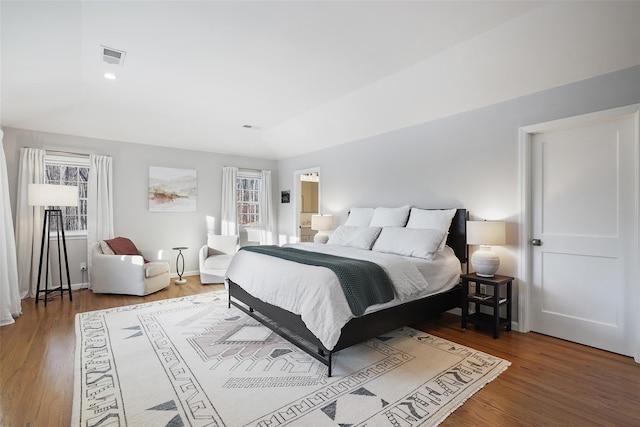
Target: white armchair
point(128, 274)
point(215, 257)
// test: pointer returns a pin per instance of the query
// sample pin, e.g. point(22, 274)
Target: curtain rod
point(67, 153)
point(245, 169)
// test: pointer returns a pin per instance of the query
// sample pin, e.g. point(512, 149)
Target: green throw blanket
point(364, 283)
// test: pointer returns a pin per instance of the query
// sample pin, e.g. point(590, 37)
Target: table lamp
point(321, 223)
point(485, 262)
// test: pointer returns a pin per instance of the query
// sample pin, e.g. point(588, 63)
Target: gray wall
point(150, 230)
point(468, 160)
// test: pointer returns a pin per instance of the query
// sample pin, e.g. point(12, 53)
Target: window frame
point(248, 175)
point(78, 161)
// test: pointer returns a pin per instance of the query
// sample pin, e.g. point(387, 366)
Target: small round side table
point(179, 267)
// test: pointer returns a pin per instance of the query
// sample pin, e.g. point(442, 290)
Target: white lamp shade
point(52, 195)
point(321, 222)
point(486, 233)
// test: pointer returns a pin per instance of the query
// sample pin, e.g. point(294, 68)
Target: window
point(70, 170)
point(248, 193)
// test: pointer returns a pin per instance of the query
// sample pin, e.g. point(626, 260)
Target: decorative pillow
point(413, 242)
point(106, 250)
point(438, 219)
point(390, 217)
point(122, 246)
point(359, 217)
point(355, 237)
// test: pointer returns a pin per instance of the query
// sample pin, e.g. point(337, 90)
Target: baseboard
point(458, 311)
point(186, 273)
point(85, 285)
point(78, 286)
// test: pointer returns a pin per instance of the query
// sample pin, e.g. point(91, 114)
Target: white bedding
point(315, 293)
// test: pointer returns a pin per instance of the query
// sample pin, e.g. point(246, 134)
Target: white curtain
point(99, 202)
point(10, 305)
point(267, 227)
point(29, 221)
point(229, 216)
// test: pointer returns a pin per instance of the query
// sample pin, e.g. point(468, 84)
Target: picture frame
point(172, 189)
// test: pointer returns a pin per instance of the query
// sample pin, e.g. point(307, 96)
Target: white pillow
point(438, 219)
point(390, 217)
point(359, 217)
point(413, 242)
point(355, 237)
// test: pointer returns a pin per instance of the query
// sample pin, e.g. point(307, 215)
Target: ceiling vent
point(112, 56)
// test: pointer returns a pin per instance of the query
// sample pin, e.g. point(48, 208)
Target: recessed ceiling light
point(109, 76)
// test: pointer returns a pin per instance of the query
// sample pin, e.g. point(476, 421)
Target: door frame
point(297, 190)
point(525, 268)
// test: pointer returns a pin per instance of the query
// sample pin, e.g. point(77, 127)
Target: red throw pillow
point(122, 246)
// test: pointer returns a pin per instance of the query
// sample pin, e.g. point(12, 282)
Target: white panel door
point(583, 210)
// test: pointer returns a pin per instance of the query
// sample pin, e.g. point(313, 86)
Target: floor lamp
point(53, 197)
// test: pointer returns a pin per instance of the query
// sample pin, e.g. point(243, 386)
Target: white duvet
point(315, 293)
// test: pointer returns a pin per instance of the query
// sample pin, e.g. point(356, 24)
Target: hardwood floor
point(550, 382)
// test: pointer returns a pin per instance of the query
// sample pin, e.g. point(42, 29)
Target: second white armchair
point(215, 256)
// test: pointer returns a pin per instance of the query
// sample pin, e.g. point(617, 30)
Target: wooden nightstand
point(492, 297)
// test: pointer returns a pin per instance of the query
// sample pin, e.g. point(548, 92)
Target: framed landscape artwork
point(172, 190)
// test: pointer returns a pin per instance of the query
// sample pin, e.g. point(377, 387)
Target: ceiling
point(304, 75)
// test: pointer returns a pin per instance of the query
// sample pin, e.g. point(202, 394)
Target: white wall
point(468, 160)
point(130, 181)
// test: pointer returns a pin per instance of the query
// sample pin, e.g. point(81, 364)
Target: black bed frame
point(291, 327)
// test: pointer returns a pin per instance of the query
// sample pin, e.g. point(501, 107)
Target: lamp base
point(485, 262)
point(320, 238)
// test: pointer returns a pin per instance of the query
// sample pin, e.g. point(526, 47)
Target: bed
point(256, 281)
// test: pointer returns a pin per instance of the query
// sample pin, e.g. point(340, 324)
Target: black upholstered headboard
point(457, 239)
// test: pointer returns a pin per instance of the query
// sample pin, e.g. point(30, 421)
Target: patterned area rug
point(194, 362)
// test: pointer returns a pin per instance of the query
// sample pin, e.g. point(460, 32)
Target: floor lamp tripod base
point(55, 215)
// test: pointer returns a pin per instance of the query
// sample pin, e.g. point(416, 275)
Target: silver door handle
point(536, 242)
